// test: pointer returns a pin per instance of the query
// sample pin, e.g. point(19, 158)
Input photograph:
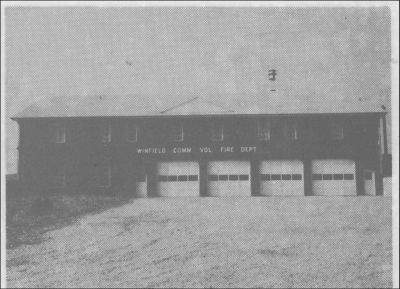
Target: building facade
point(199, 148)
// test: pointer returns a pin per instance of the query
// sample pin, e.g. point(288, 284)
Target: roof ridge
point(220, 105)
point(205, 100)
point(179, 104)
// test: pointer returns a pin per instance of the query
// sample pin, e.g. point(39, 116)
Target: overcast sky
point(331, 54)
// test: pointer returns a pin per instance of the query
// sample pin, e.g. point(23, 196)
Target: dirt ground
point(216, 242)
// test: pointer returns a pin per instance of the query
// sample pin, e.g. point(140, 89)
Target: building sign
point(201, 150)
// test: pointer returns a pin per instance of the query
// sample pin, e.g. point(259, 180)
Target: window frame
point(162, 178)
point(276, 177)
point(223, 178)
point(288, 126)
point(212, 177)
point(333, 126)
point(265, 177)
point(172, 137)
point(348, 177)
point(317, 177)
point(183, 178)
point(222, 133)
point(338, 177)
point(172, 178)
point(105, 139)
point(244, 177)
point(60, 136)
point(233, 177)
point(193, 178)
point(261, 126)
point(297, 177)
point(128, 130)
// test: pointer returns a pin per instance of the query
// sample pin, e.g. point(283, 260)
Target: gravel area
point(216, 242)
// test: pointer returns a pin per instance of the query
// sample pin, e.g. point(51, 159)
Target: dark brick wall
point(39, 155)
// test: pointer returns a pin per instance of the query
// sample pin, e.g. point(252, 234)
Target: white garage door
point(178, 179)
point(333, 177)
point(281, 177)
point(229, 178)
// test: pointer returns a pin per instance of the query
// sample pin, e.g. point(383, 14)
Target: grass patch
point(29, 216)
point(18, 261)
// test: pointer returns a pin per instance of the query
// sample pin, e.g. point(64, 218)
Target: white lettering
point(227, 149)
point(181, 150)
point(248, 149)
point(205, 150)
point(151, 151)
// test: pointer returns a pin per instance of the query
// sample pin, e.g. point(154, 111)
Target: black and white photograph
point(199, 144)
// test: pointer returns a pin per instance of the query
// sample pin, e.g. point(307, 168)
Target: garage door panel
point(178, 168)
point(229, 167)
point(333, 177)
point(282, 167)
point(281, 178)
point(334, 188)
point(178, 179)
point(229, 178)
point(333, 166)
point(178, 189)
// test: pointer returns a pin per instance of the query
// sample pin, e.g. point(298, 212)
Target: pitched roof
point(139, 105)
point(196, 106)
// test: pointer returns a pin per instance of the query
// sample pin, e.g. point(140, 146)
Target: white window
point(337, 131)
point(290, 130)
point(217, 133)
point(176, 133)
point(264, 130)
point(59, 177)
point(131, 132)
point(103, 176)
point(106, 133)
point(60, 134)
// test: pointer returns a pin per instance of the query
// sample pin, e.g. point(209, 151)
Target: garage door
point(178, 179)
point(228, 178)
point(333, 177)
point(281, 178)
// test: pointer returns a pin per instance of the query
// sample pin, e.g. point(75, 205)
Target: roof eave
point(16, 118)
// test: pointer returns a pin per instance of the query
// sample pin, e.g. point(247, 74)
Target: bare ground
point(216, 242)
